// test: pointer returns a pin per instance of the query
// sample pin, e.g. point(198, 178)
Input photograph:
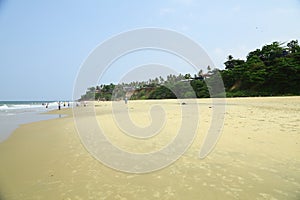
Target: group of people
point(63, 103)
point(59, 104)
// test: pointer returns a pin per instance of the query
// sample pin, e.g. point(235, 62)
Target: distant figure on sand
point(126, 99)
point(59, 105)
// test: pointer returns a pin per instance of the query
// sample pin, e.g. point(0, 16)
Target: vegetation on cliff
point(272, 70)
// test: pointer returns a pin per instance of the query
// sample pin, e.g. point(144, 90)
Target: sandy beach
point(256, 157)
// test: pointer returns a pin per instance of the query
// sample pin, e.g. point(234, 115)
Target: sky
point(43, 44)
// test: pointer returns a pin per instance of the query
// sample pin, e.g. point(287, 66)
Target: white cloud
point(166, 11)
point(219, 51)
point(184, 28)
point(236, 8)
point(185, 2)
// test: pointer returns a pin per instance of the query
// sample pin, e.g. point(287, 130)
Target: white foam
point(19, 106)
point(4, 107)
point(36, 107)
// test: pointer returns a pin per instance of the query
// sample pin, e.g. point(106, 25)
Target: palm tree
point(200, 73)
point(161, 79)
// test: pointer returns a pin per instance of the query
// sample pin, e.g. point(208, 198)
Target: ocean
point(15, 113)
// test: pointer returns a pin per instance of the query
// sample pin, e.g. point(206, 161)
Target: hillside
point(273, 70)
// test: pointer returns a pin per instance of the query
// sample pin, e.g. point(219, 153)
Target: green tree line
point(272, 70)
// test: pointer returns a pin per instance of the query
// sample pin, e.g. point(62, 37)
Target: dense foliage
point(272, 70)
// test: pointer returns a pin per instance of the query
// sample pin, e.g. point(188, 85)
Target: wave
point(3, 107)
point(19, 106)
point(33, 106)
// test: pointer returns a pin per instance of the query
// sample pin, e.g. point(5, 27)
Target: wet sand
point(256, 157)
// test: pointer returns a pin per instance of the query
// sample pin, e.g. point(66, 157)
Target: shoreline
point(256, 156)
point(10, 122)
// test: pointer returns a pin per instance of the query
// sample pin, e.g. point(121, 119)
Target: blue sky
point(44, 43)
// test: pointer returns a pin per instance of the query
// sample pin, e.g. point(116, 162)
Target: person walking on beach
point(59, 105)
point(126, 99)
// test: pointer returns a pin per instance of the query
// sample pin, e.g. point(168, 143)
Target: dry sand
point(256, 157)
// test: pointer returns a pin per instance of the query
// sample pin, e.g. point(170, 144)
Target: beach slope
point(256, 157)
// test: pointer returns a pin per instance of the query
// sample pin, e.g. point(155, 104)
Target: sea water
point(14, 113)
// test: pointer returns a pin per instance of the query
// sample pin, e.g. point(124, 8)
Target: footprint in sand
point(256, 177)
point(281, 192)
point(267, 196)
point(227, 179)
point(156, 195)
point(169, 191)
